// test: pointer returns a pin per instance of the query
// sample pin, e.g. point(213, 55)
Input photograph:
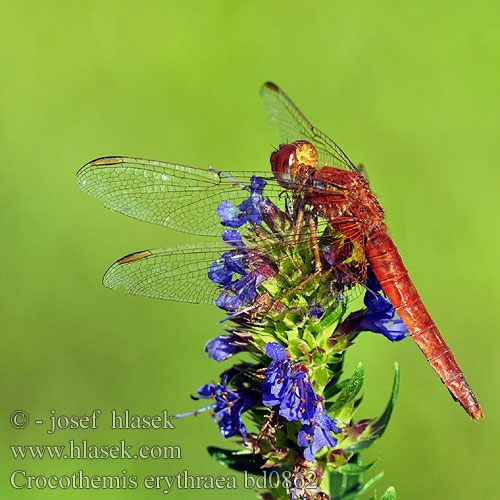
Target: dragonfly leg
point(298, 226)
point(314, 241)
point(299, 221)
point(304, 172)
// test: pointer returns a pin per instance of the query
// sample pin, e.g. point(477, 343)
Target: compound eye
point(288, 161)
point(283, 161)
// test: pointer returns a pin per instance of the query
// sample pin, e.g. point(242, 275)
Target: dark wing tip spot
point(107, 160)
point(134, 256)
point(271, 86)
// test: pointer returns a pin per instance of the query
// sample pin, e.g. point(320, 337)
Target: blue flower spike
point(300, 380)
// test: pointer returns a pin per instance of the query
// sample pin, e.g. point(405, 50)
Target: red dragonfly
point(186, 199)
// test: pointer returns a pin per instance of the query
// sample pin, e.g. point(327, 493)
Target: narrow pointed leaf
point(357, 494)
point(236, 460)
point(390, 494)
point(385, 417)
point(340, 484)
point(349, 391)
point(355, 469)
point(379, 427)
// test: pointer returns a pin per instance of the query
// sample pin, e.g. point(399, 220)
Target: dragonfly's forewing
point(293, 125)
point(177, 196)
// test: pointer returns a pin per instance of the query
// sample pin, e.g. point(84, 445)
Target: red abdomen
point(384, 258)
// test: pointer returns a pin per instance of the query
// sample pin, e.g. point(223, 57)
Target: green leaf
point(385, 417)
point(333, 315)
point(297, 347)
point(240, 461)
point(319, 357)
point(337, 458)
point(321, 376)
point(349, 391)
point(355, 469)
point(356, 494)
point(309, 338)
point(378, 428)
point(339, 485)
point(314, 328)
point(334, 386)
point(292, 319)
point(390, 494)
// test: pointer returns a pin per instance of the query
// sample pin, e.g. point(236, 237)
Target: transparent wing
point(181, 273)
point(177, 196)
point(293, 125)
point(177, 273)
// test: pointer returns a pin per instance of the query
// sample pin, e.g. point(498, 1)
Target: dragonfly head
point(290, 158)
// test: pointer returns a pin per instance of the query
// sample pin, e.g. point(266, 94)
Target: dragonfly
point(308, 164)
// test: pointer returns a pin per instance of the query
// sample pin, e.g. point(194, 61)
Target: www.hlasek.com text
point(83, 450)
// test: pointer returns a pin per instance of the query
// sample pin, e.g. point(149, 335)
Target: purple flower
point(224, 346)
point(236, 291)
point(223, 269)
point(246, 212)
point(292, 391)
point(277, 383)
point(233, 238)
point(381, 315)
point(301, 401)
point(232, 272)
point(245, 289)
point(316, 312)
point(276, 351)
point(228, 407)
point(318, 433)
point(229, 215)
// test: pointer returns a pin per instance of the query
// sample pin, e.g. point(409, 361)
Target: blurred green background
point(411, 90)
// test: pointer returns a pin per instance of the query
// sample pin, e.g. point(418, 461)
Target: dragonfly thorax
point(363, 204)
point(344, 199)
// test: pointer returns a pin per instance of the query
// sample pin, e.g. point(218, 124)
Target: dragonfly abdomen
point(384, 259)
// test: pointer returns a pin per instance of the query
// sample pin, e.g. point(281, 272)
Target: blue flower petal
point(233, 238)
point(275, 351)
point(301, 401)
point(224, 346)
point(257, 185)
point(236, 261)
point(230, 216)
point(228, 302)
point(381, 316)
point(250, 212)
point(220, 274)
point(228, 407)
point(318, 434)
point(316, 312)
